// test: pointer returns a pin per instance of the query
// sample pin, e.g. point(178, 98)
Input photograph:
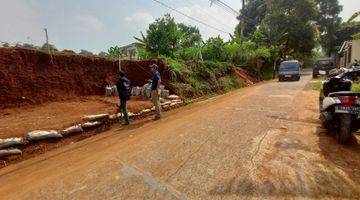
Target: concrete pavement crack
point(189, 158)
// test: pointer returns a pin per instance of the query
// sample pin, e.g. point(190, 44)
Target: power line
point(192, 18)
point(225, 6)
point(214, 18)
point(231, 10)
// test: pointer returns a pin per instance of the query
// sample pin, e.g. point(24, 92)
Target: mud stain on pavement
point(299, 161)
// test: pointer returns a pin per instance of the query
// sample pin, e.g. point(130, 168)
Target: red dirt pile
point(30, 77)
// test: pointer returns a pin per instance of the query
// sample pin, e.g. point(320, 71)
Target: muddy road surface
point(261, 142)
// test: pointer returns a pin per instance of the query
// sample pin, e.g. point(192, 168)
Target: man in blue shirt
point(155, 89)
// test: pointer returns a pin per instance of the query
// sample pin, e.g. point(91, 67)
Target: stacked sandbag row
point(9, 147)
point(111, 91)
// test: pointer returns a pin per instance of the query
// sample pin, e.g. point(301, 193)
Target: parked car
point(290, 70)
point(323, 66)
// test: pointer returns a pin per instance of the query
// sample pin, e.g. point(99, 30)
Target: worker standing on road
point(155, 89)
point(124, 90)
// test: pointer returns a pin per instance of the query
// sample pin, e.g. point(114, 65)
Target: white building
point(130, 52)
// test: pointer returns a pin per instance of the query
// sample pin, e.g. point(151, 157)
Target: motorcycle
point(339, 107)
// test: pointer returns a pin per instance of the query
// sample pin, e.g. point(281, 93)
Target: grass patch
point(355, 87)
point(194, 79)
point(316, 84)
point(231, 82)
point(266, 73)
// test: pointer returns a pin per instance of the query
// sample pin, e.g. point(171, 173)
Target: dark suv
point(323, 66)
point(290, 70)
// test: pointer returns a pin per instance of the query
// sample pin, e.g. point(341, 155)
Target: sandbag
point(136, 91)
point(115, 116)
point(145, 111)
point(166, 103)
point(72, 130)
point(173, 97)
point(41, 135)
point(10, 142)
point(164, 94)
point(108, 91)
point(111, 91)
point(130, 114)
point(176, 101)
point(91, 118)
point(146, 90)
point(9, 152)
point(88, 125)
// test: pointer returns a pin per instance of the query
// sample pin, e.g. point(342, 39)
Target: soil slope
point(31, 77)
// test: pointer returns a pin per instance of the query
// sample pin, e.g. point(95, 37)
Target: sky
point(96, 25)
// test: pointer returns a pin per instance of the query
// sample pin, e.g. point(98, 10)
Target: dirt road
point(260, 142)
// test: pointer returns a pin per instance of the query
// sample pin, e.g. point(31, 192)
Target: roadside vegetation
point(274, 30)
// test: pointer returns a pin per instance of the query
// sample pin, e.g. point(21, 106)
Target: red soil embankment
point(31, 77)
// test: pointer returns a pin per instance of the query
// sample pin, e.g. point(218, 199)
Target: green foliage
point(143, 54)
point(328, 22)
point(355, 87)
point(30, 46)
point(292, 19)
point(230, 82)
point(189, 36)
point(113, 52)
point(255, 11)
point(45, 47)
point(103, 54)
point(85, 52)
point(191, 53)
point(201, 78)
point(316, 84)
point(165, 37)
point(266, 73)
point(352, 19)
point(5, 44)
point(213, 49)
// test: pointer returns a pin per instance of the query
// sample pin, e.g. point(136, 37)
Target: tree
point(6, 44)
point(113, 52)
point(189, 36)
point(347, 31)
point(85, 52)
point(44, 47)
point(294, 20)
point(29, 46)
point(352, 21)
point(103, 54)
point(165, 37)
point(253, 13)
point(329, 22)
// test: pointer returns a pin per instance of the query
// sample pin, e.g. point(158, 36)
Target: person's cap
point(121, 73)
point(154, 66)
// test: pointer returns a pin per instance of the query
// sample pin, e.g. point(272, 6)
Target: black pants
point(124, 110)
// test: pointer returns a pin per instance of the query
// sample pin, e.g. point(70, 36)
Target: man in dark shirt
point(124, 90)
point(155, 89)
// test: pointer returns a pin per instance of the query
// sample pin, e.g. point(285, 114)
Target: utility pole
point(47, 44)
point(242, 20)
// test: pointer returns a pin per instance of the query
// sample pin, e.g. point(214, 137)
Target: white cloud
point(89, 23)
point(140, 18)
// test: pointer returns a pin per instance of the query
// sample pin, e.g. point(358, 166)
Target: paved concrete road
point(240, 145)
